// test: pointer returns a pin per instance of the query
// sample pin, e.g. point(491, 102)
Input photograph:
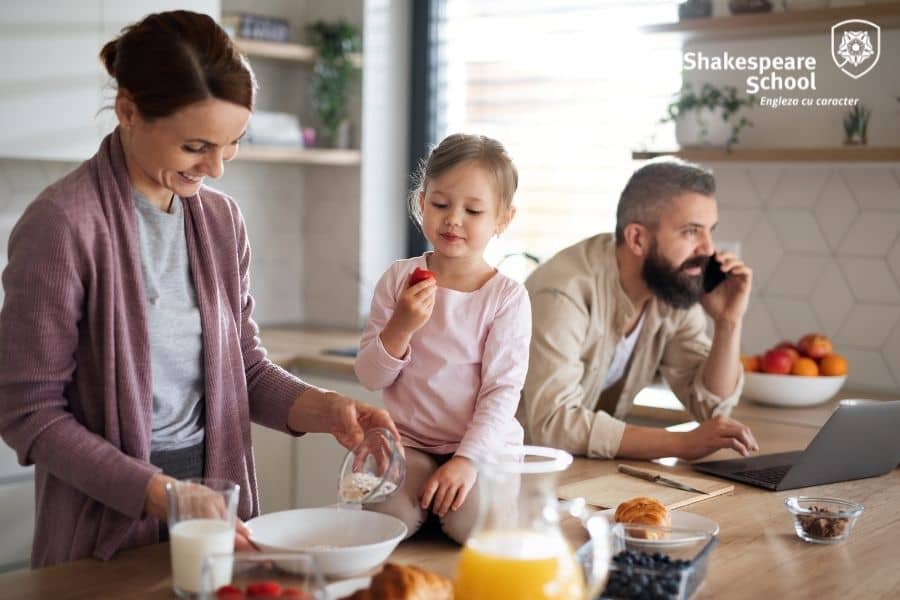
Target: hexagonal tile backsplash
point(825, 249)
point(824, 243)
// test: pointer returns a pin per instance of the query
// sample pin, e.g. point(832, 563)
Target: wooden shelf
point(276, 50)
point(763, 25)
point(305, 156)
point(285, 51)
point(850, 154)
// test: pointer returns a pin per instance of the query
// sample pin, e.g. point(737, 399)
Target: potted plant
point(856, 126)
point(709, 117)
point(333, 74)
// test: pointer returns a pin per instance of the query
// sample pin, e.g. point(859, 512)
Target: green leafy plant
point(856, 125)
point(707, 100)
point(334, 71)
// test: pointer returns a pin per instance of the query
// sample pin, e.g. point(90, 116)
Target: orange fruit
point(750, 363)
point(805, 367)
point(833, 364)
point(815, 345)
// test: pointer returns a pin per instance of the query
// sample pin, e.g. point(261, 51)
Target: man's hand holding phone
point(713, 274)
point(726, 285)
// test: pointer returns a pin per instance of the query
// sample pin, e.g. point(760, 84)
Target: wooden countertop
point(304, 349)
point(758, 555)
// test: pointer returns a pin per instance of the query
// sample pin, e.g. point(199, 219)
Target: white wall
point(51, 79)
point(806, 127)
point(320, 237)
point(386, 91)
point(823, 239)
point(824, 244)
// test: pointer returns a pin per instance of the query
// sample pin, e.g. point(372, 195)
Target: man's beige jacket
point(579, 312)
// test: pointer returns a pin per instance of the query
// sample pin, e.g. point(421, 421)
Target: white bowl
point(343, 541)
point(791, 390)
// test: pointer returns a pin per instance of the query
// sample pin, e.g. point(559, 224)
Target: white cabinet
point(16, 510)
point(9, 466)
point(302, 472)
point(273, 451)
point(51, 78)
point(16, 523)
point(317, 458)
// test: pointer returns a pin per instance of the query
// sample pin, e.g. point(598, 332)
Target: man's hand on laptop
point(715, 434)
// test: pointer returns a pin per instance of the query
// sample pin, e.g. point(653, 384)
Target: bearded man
point(615, 310)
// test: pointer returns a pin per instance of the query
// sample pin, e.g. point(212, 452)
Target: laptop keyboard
point(770, 475)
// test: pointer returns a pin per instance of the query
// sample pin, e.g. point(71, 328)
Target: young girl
point(450, 351)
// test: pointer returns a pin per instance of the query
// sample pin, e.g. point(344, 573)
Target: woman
point(130, 355)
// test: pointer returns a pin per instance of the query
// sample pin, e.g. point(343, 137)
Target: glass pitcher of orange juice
point(517, 549)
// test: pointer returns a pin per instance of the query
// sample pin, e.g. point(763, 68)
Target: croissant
point(405, 582)
point(644, 511)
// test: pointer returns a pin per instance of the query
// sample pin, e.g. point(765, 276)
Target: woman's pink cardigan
point(75, 389)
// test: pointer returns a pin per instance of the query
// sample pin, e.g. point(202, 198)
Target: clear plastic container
point(373, 471)
point(280, 574)
point(823, 520)
point(655, 562)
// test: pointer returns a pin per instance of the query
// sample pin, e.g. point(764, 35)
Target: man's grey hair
point(651, 187)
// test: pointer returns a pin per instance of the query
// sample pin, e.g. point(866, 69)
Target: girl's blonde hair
point(456, 149)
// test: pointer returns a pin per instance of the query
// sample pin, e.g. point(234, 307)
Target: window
point(570, 88)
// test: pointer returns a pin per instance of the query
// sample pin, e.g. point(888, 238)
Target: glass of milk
point(202, 516)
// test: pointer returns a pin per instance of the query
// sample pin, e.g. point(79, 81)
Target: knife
point(657, 478)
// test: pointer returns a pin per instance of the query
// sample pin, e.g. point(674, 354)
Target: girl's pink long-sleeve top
point(457, 388)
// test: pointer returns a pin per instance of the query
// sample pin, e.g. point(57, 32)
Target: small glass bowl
point(292, 574)
point(373, 471)
point(823, 520)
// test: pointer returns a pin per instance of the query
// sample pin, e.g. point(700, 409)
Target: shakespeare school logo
point(855, 46)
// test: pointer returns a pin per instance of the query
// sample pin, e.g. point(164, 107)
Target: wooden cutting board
point(608, 491)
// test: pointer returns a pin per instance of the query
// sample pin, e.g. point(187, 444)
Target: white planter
point(703, 128)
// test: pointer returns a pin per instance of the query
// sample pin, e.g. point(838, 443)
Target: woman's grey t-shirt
point(173, 318)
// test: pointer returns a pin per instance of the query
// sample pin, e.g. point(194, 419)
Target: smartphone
point(713, 275)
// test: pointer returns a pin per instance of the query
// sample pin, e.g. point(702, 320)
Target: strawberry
point(264, 589)
point(420, 275)
point(229, 592)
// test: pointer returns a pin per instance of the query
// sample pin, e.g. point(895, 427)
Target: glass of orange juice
point(517, 549)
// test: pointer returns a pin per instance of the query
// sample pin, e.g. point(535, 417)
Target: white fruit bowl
point(343, 541)
point(791, 390)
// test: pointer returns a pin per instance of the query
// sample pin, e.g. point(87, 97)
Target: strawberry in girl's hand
point(420, 275)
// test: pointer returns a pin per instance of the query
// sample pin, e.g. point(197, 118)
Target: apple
point(791, 349)
point(777, 362)
point(815, 345)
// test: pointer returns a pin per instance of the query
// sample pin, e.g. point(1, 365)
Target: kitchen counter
point(303, 350)
point(758, 555)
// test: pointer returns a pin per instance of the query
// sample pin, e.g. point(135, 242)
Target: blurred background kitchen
point(576, 90)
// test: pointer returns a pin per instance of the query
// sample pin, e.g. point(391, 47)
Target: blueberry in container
point(654, 562)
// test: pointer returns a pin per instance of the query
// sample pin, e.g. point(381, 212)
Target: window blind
point(570, 88)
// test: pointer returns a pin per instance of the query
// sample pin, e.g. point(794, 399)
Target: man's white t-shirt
point(623, 352)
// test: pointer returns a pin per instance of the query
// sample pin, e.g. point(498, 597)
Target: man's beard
point(671, 284)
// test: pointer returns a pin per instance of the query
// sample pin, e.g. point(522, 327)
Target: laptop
point(859, 440)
